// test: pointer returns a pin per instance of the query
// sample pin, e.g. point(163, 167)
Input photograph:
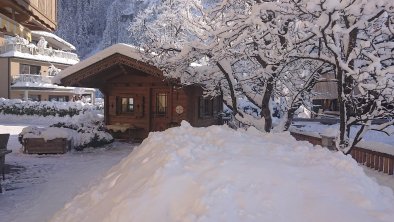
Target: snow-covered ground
point(189, 174)
point(372, 140)
point(217, 174)
point(40, 185)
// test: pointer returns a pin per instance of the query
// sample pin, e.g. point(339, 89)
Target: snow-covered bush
point(84, 131)
point(44, 108)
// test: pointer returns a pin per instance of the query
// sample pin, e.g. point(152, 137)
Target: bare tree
point(240, 48)
point(356, 38)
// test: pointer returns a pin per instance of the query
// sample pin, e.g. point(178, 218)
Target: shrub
point(44, 108)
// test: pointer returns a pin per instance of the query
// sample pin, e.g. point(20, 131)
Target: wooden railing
point(379, 161)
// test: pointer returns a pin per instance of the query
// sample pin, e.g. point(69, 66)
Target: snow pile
point(217, 174)
point(49, 133)
point(303, 112)
point(65, 45)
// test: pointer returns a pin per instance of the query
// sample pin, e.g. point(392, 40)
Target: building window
point(58, 98)
point(29, 69)
point(161, 104)
point(36, 98)
point(127, 105)
point(205, 107)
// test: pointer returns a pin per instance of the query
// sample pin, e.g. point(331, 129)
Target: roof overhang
point(119, 55)
point(14, 28)
point(37, 19)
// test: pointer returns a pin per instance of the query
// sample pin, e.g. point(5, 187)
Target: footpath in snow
point(39, 185)
point(217, 174)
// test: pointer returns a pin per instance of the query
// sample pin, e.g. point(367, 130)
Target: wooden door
point(160, 109)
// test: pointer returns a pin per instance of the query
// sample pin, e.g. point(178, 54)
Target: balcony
point(32, 80)
point(33, 52)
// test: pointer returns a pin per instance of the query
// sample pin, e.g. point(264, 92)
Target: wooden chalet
point(138, 99)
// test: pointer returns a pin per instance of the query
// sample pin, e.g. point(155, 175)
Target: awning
point(14, 27)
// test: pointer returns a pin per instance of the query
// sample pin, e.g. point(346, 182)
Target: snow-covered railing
point(31, 78)
point(34, 50)
point(370, 156)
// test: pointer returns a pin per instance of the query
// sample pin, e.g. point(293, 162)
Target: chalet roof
point(113, 55)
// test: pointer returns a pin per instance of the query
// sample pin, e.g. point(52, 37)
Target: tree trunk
point(342, 110)
point(290, 116)
point(231, 89)
point(265, 109)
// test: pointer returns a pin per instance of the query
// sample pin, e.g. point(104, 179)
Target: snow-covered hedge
point(84, 131)
point(44, 108)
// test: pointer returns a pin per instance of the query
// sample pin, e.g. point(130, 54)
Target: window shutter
point(215, 106)
point(112, 105)
point(200, 106)
point(139, 106)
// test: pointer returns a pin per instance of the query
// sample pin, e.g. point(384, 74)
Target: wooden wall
point(143, 88)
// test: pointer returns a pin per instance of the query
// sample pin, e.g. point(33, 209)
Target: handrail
point(33, 50)
point(32, 78)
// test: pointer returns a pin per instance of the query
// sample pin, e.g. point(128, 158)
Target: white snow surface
point(372, 140)
point(218, 174)
point(39, 57)
point(48, 36)
point(39, 185)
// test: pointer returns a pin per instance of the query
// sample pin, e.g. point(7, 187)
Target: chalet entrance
point(160, 111)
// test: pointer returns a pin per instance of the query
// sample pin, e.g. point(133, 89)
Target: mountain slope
point(92, 25)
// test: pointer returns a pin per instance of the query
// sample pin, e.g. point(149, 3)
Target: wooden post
point(385, 165)
point(380, 163)
point(376, 162)
point(368, 162)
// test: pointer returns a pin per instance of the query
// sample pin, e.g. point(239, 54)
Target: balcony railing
point(33, 50)
point(31, 78)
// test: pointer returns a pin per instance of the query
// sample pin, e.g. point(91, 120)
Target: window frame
point(205, 107)
point(58, 97)
point(157, 109)
point(27, 69)
point(125, 108)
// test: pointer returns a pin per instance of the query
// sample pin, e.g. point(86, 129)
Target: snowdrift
point(217, 174)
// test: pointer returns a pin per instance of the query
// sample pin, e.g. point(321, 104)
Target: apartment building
point(30, 54)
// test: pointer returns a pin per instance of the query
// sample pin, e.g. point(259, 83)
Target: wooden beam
point(123, 69)
point(107, 63)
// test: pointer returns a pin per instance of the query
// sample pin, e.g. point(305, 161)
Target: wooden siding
point(143, 89)
point(34, 14)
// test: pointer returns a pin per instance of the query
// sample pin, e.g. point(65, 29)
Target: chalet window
point(126, 105)
point(205, 107)
point(29, 69)
point(161, 104)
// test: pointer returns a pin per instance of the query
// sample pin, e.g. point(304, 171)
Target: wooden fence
point(382, 162)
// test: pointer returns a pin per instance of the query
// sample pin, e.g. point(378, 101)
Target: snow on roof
point(44, 58)
point(55, 40)
point(121, 48)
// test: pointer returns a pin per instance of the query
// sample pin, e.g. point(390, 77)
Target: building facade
point(137, 96)
point(31, 55)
